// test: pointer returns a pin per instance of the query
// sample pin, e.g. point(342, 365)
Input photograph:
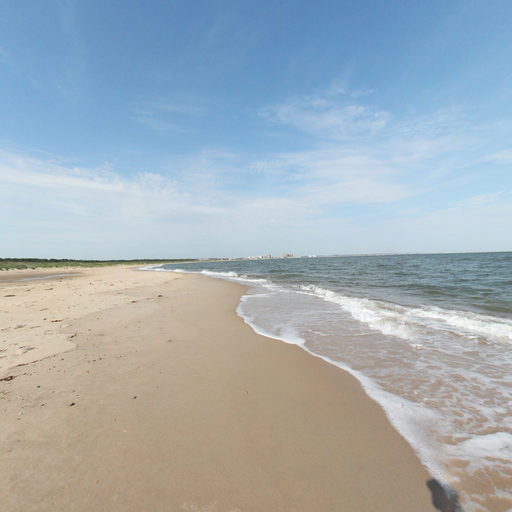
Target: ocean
point(429, 337)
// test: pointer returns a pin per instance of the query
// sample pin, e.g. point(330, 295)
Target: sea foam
point(409, 322)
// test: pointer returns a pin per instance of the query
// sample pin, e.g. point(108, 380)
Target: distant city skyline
point(224, 128)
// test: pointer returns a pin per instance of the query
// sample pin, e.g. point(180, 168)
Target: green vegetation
point(31, 263)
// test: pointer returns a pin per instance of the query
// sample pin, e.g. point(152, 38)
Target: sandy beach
point(124, 390)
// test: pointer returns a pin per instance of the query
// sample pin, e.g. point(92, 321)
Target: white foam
point(219, 274)
point(488, 454)
point(409, 323)
point(233, 276)
point(387, 318)
point(490, 446)
point(472, 323)
point(286, 334)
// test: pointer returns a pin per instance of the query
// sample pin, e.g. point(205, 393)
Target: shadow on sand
point(444, 498)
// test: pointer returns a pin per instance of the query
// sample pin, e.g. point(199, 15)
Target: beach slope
point(145, 391)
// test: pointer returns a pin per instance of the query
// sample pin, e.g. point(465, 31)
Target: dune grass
point(32, 263)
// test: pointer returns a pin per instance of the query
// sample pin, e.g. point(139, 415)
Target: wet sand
point(145, 391)
point(13, 276)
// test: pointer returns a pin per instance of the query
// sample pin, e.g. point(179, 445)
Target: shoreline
point(19, 275)
point(165, 399)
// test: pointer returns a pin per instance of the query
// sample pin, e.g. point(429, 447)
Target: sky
point(227, 128)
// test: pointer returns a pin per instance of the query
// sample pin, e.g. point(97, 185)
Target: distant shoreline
point(37, 263)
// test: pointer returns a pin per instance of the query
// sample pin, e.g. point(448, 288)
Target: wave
point(286, 334)
point(233, 276)
point(383, 317)
point(471, 323)
point(219, 274)
point(410, 323)
point(153, 268)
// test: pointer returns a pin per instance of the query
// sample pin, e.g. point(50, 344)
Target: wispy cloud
point(502, 157)
point(352, 138)
point(199, 189)
point(365, 175)
point(502, 196)
point(148, 196)
point(328, 117)
point(168, 116)
point(20, 170)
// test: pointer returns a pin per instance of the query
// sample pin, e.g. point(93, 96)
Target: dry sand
point(143, 391)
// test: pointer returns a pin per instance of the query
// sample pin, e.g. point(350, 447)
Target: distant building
point(287, 255)
point(261, 257)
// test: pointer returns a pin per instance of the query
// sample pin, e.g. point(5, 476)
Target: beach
point(125, 390)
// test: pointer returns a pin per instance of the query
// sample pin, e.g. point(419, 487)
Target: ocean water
point(428, 336)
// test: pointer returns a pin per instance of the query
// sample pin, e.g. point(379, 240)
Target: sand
point(144, 391)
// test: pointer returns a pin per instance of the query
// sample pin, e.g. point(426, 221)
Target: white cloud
point(194, 196)
point(483, 199)
point(24, 171)
point(333, 175)
point(502, 157)
point(98, 193)
point(356, 191)
point(355, 179)
point(327, 118)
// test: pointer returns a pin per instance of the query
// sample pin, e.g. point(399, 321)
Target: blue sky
point(234, 128)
